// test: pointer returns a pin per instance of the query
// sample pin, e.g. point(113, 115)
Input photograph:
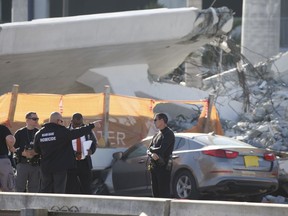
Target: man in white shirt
point(79, 179)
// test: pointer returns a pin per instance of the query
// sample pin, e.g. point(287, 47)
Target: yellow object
point(130, 118)
point(251, 161)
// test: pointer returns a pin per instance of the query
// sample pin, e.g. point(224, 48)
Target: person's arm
point(167, 140)
point(151, 150)
point(78, 132)
point(10, 141)
point(93, 144)
point(17, 146)
point(36, 144)
point(167, 143)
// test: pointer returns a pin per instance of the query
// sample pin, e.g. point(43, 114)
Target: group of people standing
point(56, 159)
point(52, 159)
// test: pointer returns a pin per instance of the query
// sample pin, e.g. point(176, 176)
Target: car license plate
point(251, 161)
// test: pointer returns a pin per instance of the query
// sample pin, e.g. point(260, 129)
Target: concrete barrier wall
point(109, 205)
point(129, 206)
point(220, 208)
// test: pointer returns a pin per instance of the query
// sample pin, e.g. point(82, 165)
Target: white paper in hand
point(86, 147)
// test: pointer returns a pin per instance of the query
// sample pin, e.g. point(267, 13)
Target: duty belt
point(31, 161)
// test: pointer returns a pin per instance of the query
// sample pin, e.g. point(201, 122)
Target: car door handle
point(175, 156)
point(141, 161)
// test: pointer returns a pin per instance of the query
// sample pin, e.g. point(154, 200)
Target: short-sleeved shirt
point(4, 132)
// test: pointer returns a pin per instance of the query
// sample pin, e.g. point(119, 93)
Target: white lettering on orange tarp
point(115, 138)
point(120, 136)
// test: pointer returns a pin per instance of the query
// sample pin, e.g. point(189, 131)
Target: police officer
point(160, 151)
point(28, 167)
point(53, 143)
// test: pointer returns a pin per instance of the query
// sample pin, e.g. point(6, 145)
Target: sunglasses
point(156, 120)
point(34, 119)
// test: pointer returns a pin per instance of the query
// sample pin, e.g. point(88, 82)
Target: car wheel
point(100, 189)
point(184, 186)
point(256, 198)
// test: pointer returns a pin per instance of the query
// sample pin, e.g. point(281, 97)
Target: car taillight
point(221, 153)
point(269, 156)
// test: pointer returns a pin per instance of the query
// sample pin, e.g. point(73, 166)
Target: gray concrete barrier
point(33, 212)
point(132, 206)
point(106, 205)
point(221, 208)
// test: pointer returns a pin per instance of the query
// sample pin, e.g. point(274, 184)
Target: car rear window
point(186, 144)
point(219, 140)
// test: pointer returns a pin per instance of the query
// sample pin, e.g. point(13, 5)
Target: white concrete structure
point(124, 81)
point(173, 3)
point(19, 10)
point(260, 29)
point(126, 50)
point(41, 9)
point(65, 48)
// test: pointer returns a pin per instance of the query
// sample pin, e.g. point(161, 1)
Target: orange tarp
point(130, 118)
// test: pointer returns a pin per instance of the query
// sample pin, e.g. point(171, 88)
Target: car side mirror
point(117, 155)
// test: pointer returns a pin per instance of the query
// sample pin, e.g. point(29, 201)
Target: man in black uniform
point(160, 152)
point(28, 162)
point(7, 140)
point(53, 143)
point(79, 179)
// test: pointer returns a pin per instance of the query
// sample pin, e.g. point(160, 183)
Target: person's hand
point(12, 149)
point(10, 141)
point(155, 156)
point(78, 154)
point(29, 153)
point(97, 123)
point(89, 152)
point(24, 153)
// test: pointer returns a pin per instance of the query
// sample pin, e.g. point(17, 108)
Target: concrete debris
point(265, 122)
point(275, 199)
point(263, 91)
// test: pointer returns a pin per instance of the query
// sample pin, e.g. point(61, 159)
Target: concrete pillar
point(41, 9)
point(194, 3)
point(19, 10)
point(65, 8)
point(173, 3)
point(260, 29)
point(191, 71)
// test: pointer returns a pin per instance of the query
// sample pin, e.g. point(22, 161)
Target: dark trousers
point(79, 179)
point(53, 182)
point(160, 178)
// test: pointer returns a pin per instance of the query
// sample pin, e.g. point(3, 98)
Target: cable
point(213, 3)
